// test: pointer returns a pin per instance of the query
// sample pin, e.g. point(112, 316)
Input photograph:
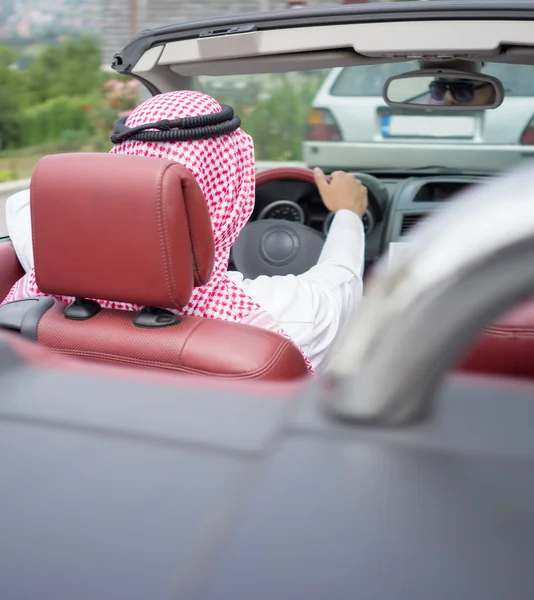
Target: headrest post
point(82, 310)
point(153, 318)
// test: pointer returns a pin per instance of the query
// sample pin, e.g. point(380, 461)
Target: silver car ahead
point(351, 127)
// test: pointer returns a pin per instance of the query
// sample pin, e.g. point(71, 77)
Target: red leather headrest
point(121, 228)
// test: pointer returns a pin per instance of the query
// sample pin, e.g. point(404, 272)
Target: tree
point(69, 69)
point(12, 98)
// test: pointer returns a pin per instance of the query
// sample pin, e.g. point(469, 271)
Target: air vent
point(409, 221)
point(440, 191)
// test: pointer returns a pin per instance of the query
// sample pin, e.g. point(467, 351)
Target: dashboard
point(289, 210)
point(396, 205)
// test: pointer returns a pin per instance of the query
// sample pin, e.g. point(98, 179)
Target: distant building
point(122, 19)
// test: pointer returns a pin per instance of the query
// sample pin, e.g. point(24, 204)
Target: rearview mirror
point(442, 89)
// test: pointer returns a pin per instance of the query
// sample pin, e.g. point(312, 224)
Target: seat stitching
point(164, 241)
point(192, 241)
point(284, 346)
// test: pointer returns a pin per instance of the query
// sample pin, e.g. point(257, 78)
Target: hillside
point(24, 22)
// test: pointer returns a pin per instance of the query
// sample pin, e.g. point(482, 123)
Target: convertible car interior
point(149, 455)
point(158, 340)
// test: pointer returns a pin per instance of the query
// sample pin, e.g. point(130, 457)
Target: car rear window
point(368, 80)
point(518, 80)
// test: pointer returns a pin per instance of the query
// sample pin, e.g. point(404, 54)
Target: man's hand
point(342, 191)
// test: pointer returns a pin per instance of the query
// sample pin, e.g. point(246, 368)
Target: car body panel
point(93, 509)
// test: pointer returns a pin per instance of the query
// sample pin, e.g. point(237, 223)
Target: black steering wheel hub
point(279, 245)
point(275, 247)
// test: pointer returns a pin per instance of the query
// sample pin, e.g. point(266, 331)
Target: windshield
point(337, 119)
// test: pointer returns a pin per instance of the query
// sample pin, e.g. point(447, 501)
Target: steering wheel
point(281, 247)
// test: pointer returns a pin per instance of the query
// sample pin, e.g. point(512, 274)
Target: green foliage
point(117, 97)
point(6, 175)
point(8, 56)
point(12, 98)
point(68, 69)
point(63, 99)
point(52, 120)
point(278, 121)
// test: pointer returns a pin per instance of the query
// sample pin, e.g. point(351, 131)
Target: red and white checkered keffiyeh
point(224, 168)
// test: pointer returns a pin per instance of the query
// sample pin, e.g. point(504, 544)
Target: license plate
point(421, 126)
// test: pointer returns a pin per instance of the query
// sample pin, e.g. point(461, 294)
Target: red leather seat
point(506, 347)
point(133, 229)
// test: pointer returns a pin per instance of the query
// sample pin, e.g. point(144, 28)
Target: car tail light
point(322, 126)
point(527, 137)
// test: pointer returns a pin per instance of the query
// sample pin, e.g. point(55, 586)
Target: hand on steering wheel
point(278, 247)
point(342, 191)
